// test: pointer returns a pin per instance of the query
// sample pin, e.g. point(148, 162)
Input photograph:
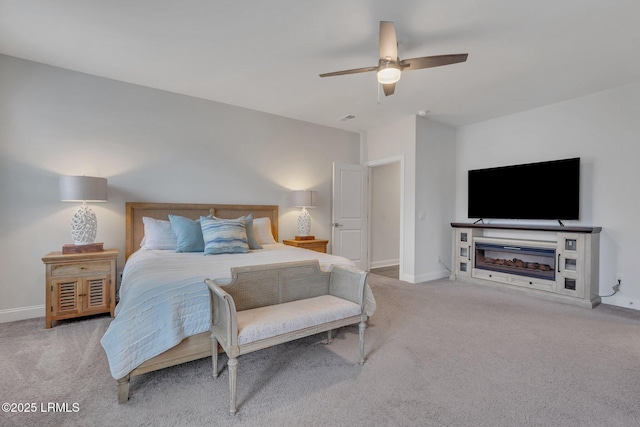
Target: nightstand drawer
point(74, 269)
point(314, 245)
point(321, 247)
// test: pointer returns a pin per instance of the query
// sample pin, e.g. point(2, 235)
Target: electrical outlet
point(616, 287)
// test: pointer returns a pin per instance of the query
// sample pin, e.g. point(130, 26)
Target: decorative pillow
point(157, 234)
point(251, 236)
point(262, 231)
point(188, 233)
point(248, 225)
point(224, 236)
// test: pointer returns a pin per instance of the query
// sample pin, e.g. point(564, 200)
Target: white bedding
point(163, 298)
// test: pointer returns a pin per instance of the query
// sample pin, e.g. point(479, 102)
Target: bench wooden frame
point(267, 285)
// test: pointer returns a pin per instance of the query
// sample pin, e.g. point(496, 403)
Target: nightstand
point(80, 284)
point(314, 245)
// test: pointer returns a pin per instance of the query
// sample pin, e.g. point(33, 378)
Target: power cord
point(444, 265)
point(615, 288)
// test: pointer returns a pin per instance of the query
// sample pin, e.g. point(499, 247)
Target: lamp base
point(84, 226)
point(82, 249)
point(305, 237)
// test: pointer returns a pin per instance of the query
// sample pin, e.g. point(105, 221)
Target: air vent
point(346, 118)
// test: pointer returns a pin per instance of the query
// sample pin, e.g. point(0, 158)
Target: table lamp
point(304, 199)
point(84, 224)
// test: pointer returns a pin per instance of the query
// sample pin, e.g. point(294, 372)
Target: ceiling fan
point(390, 67)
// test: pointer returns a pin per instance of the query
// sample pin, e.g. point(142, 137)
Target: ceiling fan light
point(388, 74)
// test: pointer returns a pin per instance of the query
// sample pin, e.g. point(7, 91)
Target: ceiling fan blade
point(354, 71)
point(432, 61)
point(389, 89)
point(388, 43)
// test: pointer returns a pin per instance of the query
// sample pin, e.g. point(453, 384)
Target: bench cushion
point(265, 322)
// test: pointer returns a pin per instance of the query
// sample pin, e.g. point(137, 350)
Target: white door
point(349, 216)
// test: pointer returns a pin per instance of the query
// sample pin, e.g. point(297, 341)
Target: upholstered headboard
point(136, 210)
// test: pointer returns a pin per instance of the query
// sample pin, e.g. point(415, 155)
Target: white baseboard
point(21, 313)
point(425, 277)
point(620, 301)
point(384, 263)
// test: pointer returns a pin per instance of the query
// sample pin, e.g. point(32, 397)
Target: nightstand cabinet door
point(65, 299)
point(95, 296)
point(80, 296)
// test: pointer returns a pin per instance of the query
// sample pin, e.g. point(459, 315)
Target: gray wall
point(384, 215)
point(435, 197)
point(152, 146)
point(426, 150)
point(397, 142)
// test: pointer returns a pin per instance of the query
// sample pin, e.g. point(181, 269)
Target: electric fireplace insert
point(528, 261)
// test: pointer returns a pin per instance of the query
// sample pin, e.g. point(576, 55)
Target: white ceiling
point(266, 55)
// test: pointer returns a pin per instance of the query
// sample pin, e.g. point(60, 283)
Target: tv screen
point(545, 190)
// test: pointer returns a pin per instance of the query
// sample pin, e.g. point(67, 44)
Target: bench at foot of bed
point(265, 305)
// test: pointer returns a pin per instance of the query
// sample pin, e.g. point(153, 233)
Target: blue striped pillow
point(248, 227)
point(224, 236)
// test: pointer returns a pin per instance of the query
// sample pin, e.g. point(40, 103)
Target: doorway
point(385, 217)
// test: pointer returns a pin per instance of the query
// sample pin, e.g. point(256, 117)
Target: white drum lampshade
point(84, 224)
point(304, 199)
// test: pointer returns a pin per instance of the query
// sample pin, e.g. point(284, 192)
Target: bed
point(163, 316)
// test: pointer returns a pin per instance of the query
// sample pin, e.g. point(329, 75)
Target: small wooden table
point(314, 245)
point(80, 284)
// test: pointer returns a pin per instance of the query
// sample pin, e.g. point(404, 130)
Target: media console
point(554, 262)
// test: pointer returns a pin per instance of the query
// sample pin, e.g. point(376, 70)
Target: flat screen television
point(545, 190)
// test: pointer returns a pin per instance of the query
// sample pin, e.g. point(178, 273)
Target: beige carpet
point(439, 354)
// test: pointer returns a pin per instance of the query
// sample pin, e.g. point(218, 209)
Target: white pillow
point(158, 234)
point(262, 231)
